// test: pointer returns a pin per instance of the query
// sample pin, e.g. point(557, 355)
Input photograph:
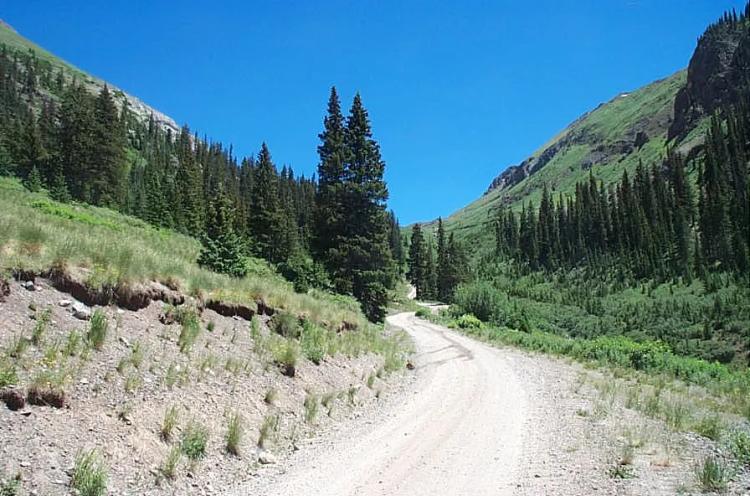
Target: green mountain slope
point(609, 139)
point(614, 137)
point(15, 42)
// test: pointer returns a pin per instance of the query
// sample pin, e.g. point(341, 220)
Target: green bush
point(740, 446)
point(480, 299)
point(468, 321)
point(194, 441)
point(304, 273)
point(423, 312)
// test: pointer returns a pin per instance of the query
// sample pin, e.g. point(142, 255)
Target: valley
point(179, 315)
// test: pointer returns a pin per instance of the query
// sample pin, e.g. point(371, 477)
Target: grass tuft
point(713, 474)
point(235, 432)
point(98, 328)
point(268, 431)
point(168, 425)
point(171, 463)
point(311, 408)
point(89, 474)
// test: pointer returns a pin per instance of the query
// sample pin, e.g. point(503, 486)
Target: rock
point(266, 458)
point(29, 285)
point(124, 341)
point(80, 311)
point(65, 303)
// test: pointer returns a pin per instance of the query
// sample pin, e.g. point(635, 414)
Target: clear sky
point(456, 90)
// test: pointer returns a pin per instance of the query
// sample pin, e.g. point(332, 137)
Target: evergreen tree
point(266, 218)
point(189, 187)
point(417, 273)
point(33, 181)
point(330, 218)
point(223, 249)
point(108, 174)
point(367, 269)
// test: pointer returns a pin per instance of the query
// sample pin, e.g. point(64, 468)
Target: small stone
point(266, 458)
point(65, 303)
point(124, 341)
point(24, 464)
point(28, 285)
point(80, 311)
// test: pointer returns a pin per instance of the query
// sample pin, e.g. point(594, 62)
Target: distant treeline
point(656, 224)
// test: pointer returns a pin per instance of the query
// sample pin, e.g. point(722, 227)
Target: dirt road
point(459, 433)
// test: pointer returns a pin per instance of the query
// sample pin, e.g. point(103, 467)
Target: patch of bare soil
point(115, 399)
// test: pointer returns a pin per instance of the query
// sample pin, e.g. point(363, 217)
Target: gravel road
point(459, 431)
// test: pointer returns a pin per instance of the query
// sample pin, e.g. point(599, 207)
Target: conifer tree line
point(659, 223)
point(55, 133)
point(436, 272)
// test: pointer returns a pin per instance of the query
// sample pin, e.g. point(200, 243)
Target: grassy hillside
point(14, 41)
point(109, 250)
point(604, 141)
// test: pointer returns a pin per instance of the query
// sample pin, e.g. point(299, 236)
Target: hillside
point(110, 329)
point(634, 126)
point(14, 41)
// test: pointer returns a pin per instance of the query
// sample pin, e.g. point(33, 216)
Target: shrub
point(89, 474)
point(194, 441)
point(286, 325)
point(468, 321)
point(713, 474)
point(710, 426)
point(739, 443)
point(235, 431)
point(480, 299)
point(10, 486)
point(304, 273)
point(423, 312)
point(97, 329)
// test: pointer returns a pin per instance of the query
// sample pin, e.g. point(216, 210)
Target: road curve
point(461, 433)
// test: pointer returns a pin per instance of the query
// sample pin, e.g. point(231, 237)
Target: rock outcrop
point(718, 70)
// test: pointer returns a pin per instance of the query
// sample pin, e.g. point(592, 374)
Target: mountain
point(15, 42)
point(633, 126)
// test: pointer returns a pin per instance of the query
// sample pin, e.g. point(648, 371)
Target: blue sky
point(457, 91)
